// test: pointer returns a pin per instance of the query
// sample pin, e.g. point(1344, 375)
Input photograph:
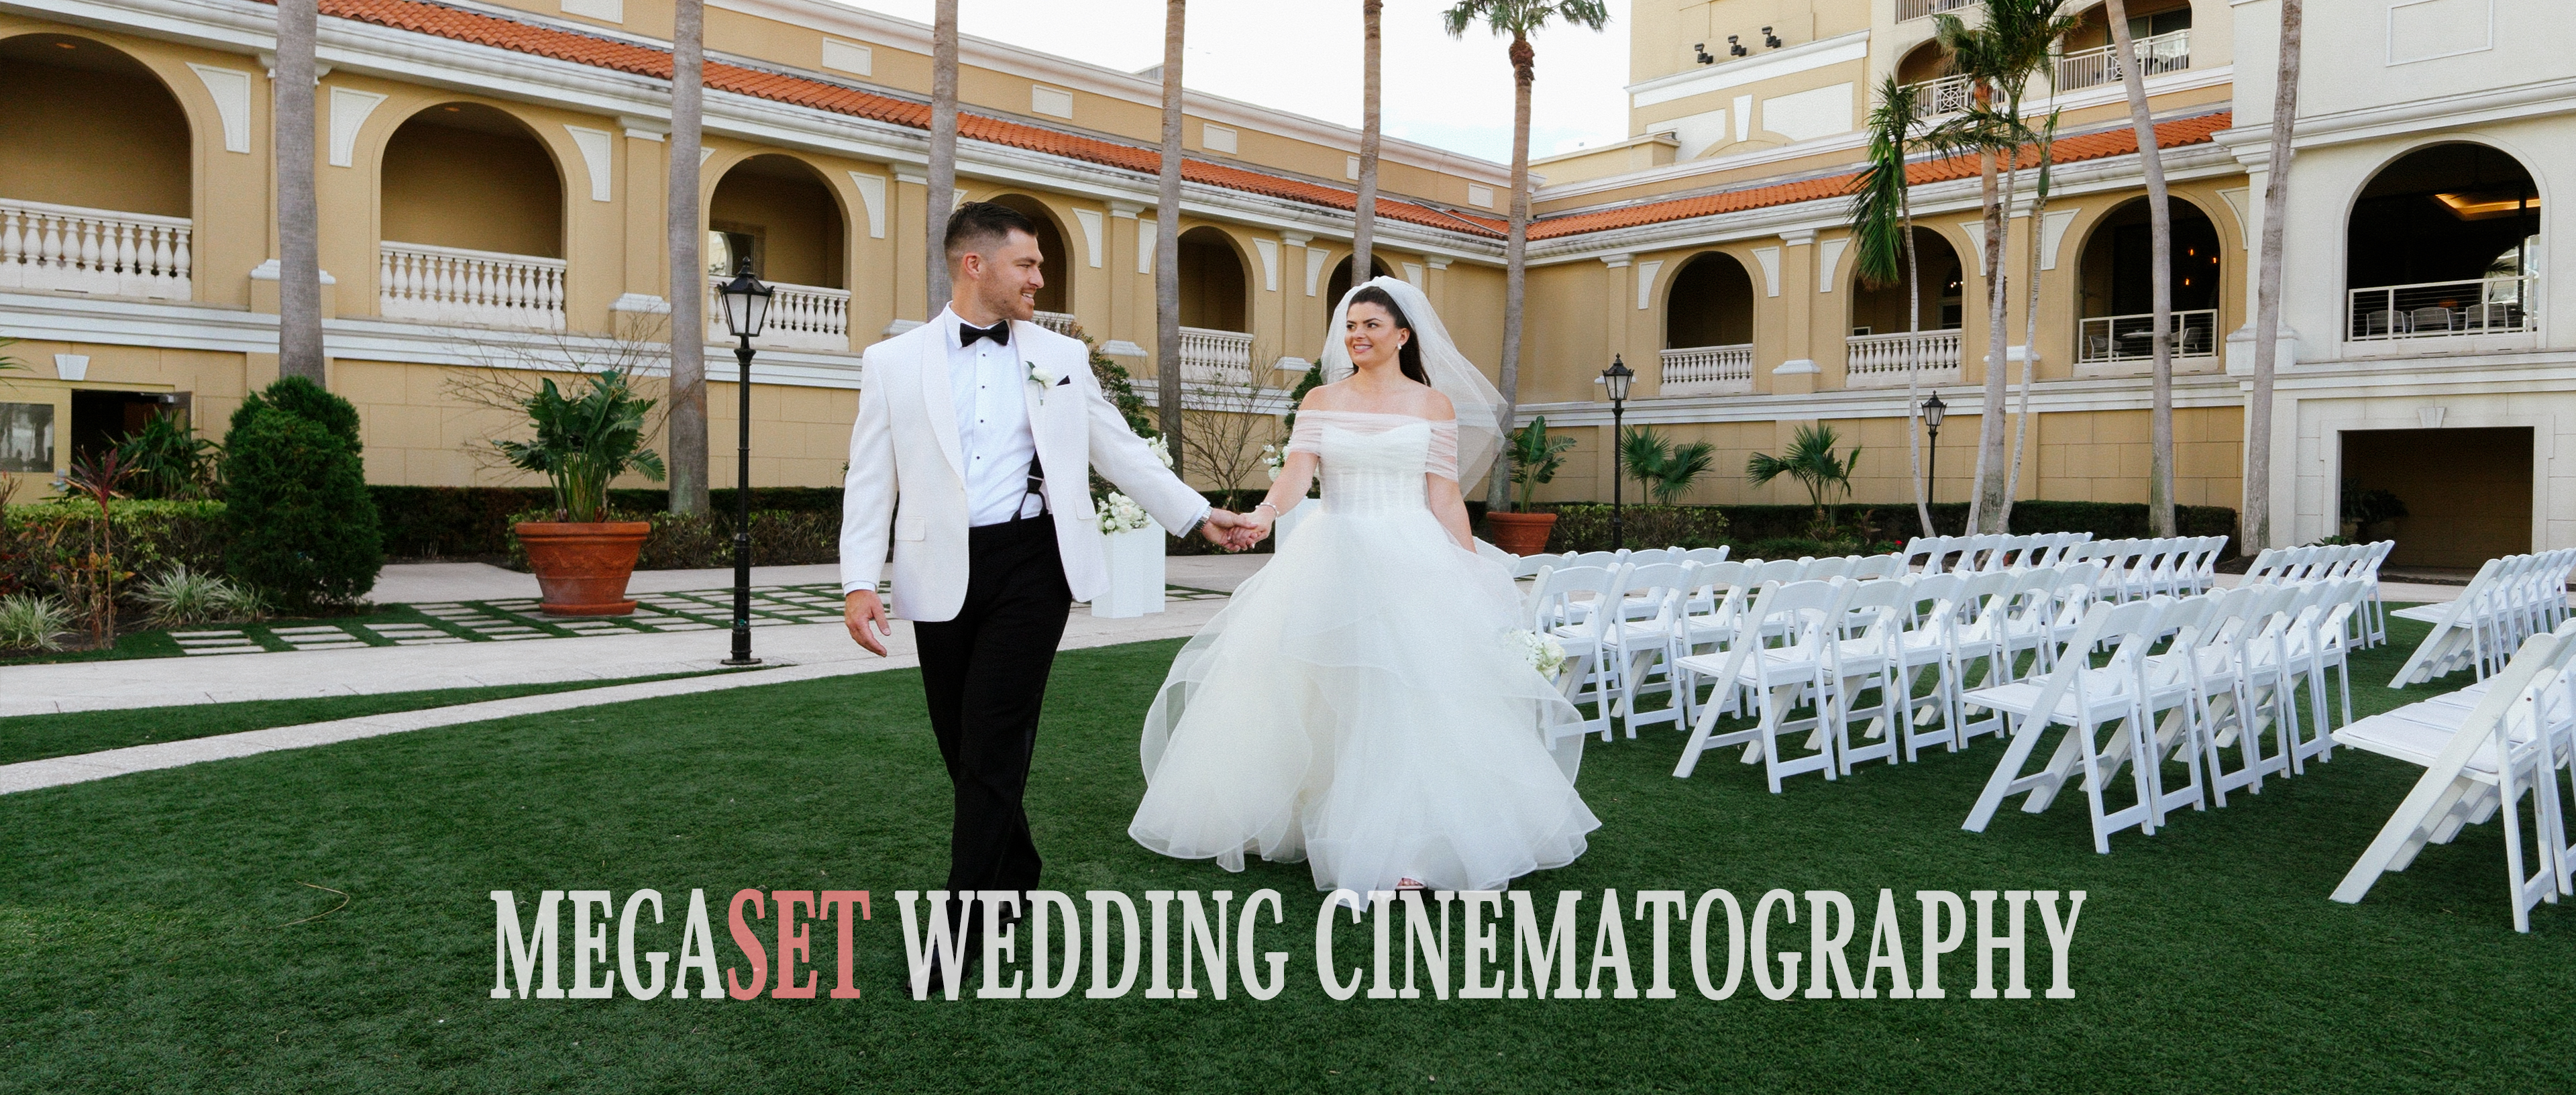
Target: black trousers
point(984, 674)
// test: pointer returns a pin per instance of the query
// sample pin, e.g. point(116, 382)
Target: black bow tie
point(967, 333)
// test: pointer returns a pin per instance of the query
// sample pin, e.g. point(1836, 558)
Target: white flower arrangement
point(1119, 513)
point(1162, 449)
point(1274, 460)
point(1544, 653)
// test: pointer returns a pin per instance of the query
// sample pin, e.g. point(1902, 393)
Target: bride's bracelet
point(1275, 511)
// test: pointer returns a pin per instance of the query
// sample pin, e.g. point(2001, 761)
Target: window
point(2163, 22)
point(727, 249)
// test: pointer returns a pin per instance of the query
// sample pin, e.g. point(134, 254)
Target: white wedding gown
point(1356, 704)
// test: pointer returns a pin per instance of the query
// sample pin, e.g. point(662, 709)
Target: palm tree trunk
point(1167, 236)
point(1990, 422)
point(1914, 375)
point(943, 156)
point(299, 235)
point(2160, 468)
point(1364, 210)
point(2030, 325)
point(2256, 521)
point(688, 268)
point(1515, 264)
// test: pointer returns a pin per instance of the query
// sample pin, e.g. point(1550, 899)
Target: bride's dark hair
point(1409, 357)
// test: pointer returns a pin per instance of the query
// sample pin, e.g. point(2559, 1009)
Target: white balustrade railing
point(1058, 322)
point(72, 249)
point(1707, 370)
point(1947, 95)
point(2443, 309)
point(1918, 9)
point(2160, 54)
point(1216, 357)
point(454, 285)
point(801, 317)
point(2133, 337)
point(1875, 361)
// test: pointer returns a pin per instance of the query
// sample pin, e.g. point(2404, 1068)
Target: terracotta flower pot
point(1520, 533)
point(583, 566)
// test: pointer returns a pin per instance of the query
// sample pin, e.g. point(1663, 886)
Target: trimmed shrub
point(778, 538)
point(37, 542)
point(449, 522)
point(303, 528)
point(306, 400)
point(1586, 527)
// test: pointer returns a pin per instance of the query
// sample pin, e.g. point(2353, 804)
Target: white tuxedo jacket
point(906, 469)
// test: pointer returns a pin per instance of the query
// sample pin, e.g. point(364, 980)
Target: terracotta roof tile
point(564, 45)
point(2091, 146)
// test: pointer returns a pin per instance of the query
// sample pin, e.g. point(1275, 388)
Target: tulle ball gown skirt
point(1356, 706)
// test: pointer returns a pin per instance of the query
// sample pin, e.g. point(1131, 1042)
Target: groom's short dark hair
point(978, 225)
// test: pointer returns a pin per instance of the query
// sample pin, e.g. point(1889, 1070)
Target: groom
point(976, 436)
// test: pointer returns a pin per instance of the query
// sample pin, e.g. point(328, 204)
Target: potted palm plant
point(1536, 457)
point(1813, 461)
point(582, 558)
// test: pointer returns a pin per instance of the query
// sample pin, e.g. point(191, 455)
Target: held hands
point(866, 617)
point(1222, 528)
point(1250, 529)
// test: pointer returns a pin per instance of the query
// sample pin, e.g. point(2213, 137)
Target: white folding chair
point(2084, 700)
point(1641, 643)
point(1590, 678)
point(1804, 615)
point(1866, 665)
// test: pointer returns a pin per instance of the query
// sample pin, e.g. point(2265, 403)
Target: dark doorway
point(100, 420)
point(2467, 492)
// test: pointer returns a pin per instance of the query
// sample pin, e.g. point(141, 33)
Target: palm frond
point(1878, 201)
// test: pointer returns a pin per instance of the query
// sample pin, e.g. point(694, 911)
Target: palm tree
point(1364, 223)
point(688, 267)
point(299, 232)
point(1167, 237)
point(2046, 140)
point(943, 156)
point(2257, 519)
point(2160, 468)
point(1519, 19)
point(1882, 223)
point(1812, 461)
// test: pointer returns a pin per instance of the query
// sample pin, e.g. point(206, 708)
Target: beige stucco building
point(491, 174)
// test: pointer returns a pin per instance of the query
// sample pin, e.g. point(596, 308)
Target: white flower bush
point(1543, 652)
point(1119, 513)
point(1162, 449)
point(1274, 460)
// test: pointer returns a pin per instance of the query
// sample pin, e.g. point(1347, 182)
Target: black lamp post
point(746, 308)
point(1933, 409)
point(1616, 378)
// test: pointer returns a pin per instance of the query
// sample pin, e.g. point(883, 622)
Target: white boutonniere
point(1043, 378)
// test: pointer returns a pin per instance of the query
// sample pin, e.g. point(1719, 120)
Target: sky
point(1304, 58)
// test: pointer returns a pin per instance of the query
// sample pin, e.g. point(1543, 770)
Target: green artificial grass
point(35, 737)
point(146, 943)
point(150, 642)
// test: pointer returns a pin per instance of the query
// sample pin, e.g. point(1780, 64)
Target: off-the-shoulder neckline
point(1380, 414)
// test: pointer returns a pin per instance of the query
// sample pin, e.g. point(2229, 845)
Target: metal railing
point(2160, 54)
point(1058, 322)
point(2439, 309)
point(455, 285)
point(1921, 9)
point(1216, 357)
point(2133, 338)
point(1706, 370)
point(801, 317)
point(1873, 361)
point(79, 250)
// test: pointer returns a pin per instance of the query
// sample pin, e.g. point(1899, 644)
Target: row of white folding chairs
point(2325, 562)
point(2175, 566)
point(2233, 670)
point(2484, 748)
point(2511, 599)
point(1935, 554)
point(1528, 566)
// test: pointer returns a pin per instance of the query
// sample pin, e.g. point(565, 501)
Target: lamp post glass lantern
point(746, 309)
point(1616, 378)
point(1933, 409)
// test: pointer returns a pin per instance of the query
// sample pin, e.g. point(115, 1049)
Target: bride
point(1356, 704)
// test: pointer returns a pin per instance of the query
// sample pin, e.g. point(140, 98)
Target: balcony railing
point(1216, 357)
point(2133, 338)
point(1877, 361)
point(2163, 53)
point(1922, 9)
point(454, 285)
point(2445, 309)
point(77, 250)
point(1707, 370)
point(1058, 322)
point(801, 317)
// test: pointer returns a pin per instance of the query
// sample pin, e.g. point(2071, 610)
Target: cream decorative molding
point(2051, 232)
point(1797, 367)
point(849, 57)
point(1646, 283)
point(1769, 258)
point(1829, 261)
point(1054, 102)
point(595, 145)
point(1413, 274)
point(1615, 261)
point(1315, 268)
point(872, 197)
point(2244, 223)
point(1976, 233)
point(643, 129)
point(1145, 245)
point(230, 88)
point(1091, 233)
point(349, 111)
point(1125, 211)
point(1803, 57)
point(1798, 237)
point(1438, 262)
point(606, 11)
point(914, 177)
point(2430, 417)
point(1269, 249)
point(75, 367)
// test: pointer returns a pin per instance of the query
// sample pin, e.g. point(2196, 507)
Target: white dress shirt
point(993, 435)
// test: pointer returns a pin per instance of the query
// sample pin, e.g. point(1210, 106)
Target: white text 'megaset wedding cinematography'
point(1410, 945)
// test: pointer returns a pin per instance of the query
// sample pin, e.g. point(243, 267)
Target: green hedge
point(37, 541)
point(778, 538)
point(446, 522)
point(1586, 526)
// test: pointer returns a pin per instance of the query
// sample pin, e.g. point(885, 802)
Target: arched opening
point(1878, 351)
point(1052, 301)
point(2444, 242)
point(1708, 328)
point(94, 172)
point(1215, 344)
point(2115, 279)
point(1926, 69)
point(777, 212)
point(2159, 32)
point(1340, 282)
point(471, 209)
